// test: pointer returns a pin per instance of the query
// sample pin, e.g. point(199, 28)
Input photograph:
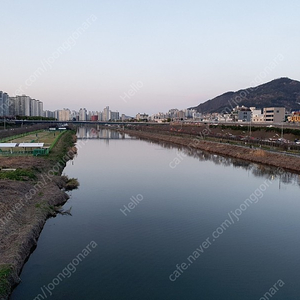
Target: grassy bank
point(22, 221)
point(5, 273)
point(63, 144)
point(18, 174)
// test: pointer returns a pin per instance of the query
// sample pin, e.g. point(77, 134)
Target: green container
point(39, 152)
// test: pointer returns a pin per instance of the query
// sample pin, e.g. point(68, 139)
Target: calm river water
point(154, 221)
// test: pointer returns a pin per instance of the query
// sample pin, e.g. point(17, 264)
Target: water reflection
point(99, 133)
point(257, 170)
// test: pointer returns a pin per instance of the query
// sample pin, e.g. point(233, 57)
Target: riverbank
point(287, 162)
point(26, 202)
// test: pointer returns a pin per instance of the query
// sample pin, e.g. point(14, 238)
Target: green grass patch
point(56, 140)
point(43, 206)
point(72, 184)
point(5, 272)
point(62, 145)
point(18, 175)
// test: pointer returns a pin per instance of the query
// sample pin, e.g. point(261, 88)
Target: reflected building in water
point(258, 170)
point(101, 133)
point(82, 133)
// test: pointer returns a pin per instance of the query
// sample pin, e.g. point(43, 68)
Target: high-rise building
point(48, 114)
point(33, 108)
point(82, 114)
point(4, 104)
point(74, 115)
point(1, 104)
point(114, 115)
point(19, 106)
point(27, 104)
point(106, 114)
point(56, 112)
point(23, 105)
point(40, 108)
point(64, 115)
point(12, 106)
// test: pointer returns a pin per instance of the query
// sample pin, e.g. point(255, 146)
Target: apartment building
point(274, 114)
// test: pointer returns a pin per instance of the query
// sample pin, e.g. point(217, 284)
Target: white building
point(106, 114)
point(257, 115)
point(40, 108)
point(64, 115)
point(36, 108)
point(33, 107)
point(142, 117)
point(82, 114)
point(27, 105)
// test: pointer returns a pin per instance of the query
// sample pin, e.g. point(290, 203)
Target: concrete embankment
point(25, 205)
point(287, 162)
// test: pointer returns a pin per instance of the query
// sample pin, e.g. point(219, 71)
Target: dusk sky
point(177, 54)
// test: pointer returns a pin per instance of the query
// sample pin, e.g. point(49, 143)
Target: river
point(156, 221)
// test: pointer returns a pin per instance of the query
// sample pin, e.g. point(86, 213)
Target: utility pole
point(250, 128)
point(250, 122)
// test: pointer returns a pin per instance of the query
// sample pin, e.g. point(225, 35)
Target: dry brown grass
point(260, 153)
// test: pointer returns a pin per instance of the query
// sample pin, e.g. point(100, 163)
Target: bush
point(5, 272)
point(70, 183)
point(18, 174)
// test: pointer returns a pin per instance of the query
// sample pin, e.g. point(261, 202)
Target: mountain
point(282, 92)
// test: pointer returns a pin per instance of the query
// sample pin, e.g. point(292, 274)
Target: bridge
point(121, 123)
point(81, 122)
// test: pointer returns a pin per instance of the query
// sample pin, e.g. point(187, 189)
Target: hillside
point(282, 92)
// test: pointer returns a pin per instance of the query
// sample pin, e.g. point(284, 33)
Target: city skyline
point(161, 54)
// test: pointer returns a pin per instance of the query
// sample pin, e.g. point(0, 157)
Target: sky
point(144, 56)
